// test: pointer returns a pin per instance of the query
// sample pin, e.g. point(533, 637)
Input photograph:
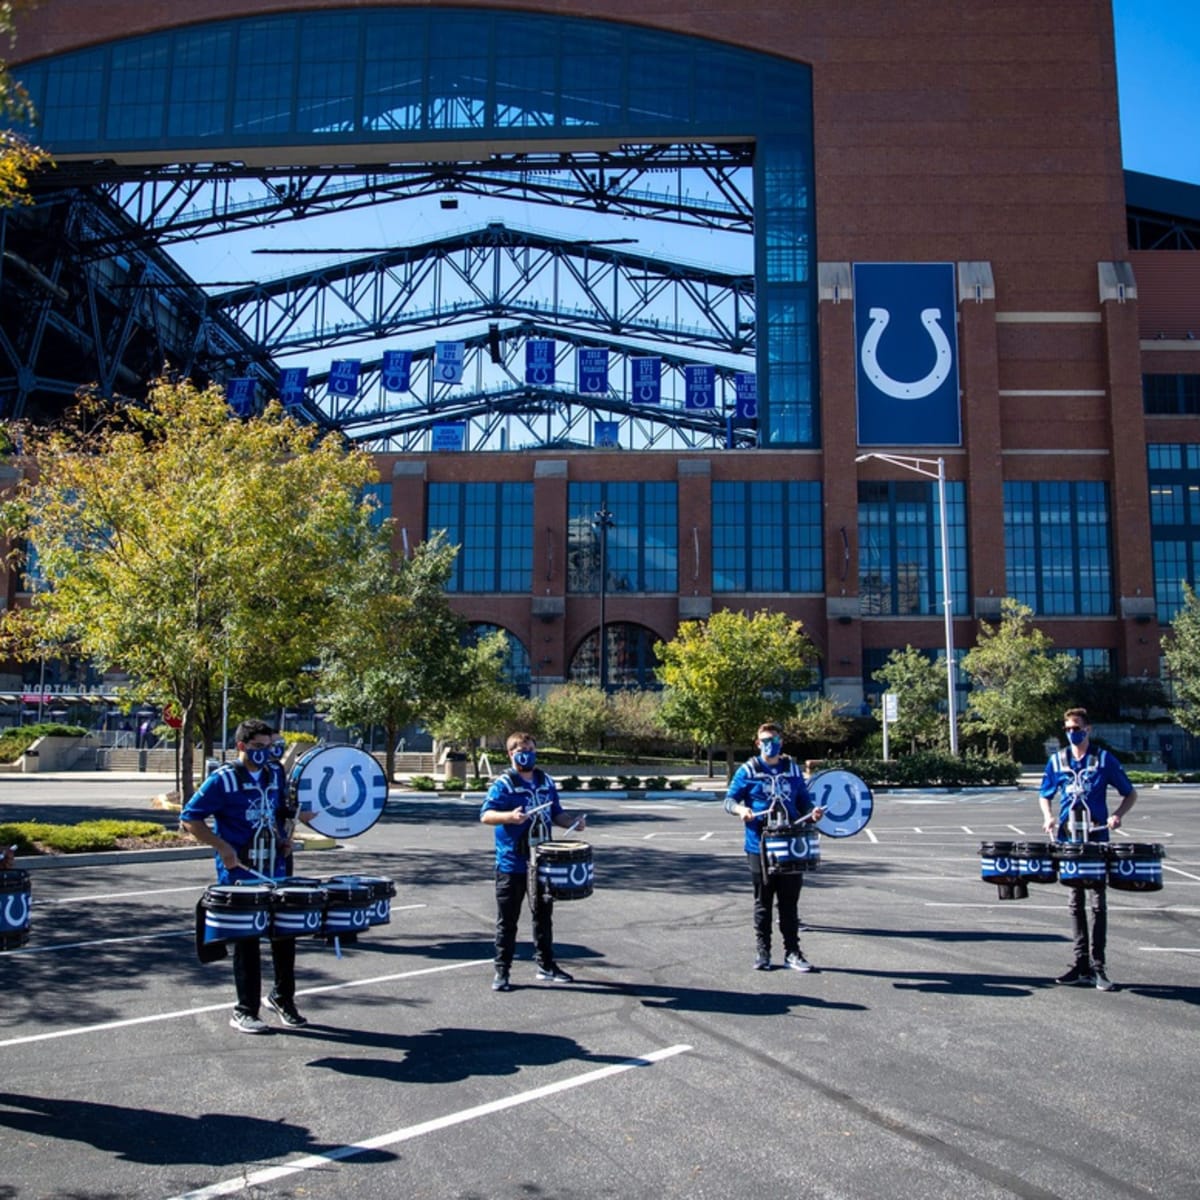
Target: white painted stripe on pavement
point(229, 1187)
point(871, 837)
point(1178, 871)
point(195, 887)
point(1170, 949)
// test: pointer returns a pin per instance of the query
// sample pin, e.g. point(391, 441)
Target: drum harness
point(1079, 817)
point(775, 816)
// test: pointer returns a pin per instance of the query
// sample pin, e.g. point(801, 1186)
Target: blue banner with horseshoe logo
point(906, 343)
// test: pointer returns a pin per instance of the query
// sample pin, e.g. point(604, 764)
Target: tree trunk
point(186, 755)
point(392, 733)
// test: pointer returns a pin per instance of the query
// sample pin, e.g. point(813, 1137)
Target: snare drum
point(1082, 864)
point(790, 850)
point(15, 900)
point(564, 870)
point(1036, 862)
point(235, 911)
point(381, 890)
point(297, 908)
point(347, 906)
point(998, 864)
point(1135, 866)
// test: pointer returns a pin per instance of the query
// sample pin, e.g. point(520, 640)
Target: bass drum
point(344, 788)
point(847, 802)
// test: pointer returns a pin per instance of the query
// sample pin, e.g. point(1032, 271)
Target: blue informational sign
point(292, 382)
point(449, 436)
point(539, 362)
point(449, 362)
point(746, 392)
point(396, 375)
point(606, 435)
point(906, 343)
point(591, 366)
point(239, 395)
point(699, 388)
point(645, 380)
point(343, 377)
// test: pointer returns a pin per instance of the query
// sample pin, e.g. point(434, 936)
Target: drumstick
point(575, 826)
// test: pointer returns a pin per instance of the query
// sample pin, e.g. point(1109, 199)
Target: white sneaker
point(245, 1023)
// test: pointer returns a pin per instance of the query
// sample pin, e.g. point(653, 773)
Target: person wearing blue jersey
point(247, 803)
point(772, 782)
point(1079, 778)
point(521, 805)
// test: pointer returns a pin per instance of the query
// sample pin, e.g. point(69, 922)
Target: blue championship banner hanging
point(292, 382)
point(700, 388)
point(448, 436)
point(539, 362)
point(239, 395)
point(606, 435)
point(746, 395)
point(450, 362)
point(343, 377)
point(646, 380)
point(591, 366)
point(907, 351)
point(396, 375)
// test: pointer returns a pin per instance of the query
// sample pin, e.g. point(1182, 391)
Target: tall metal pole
point(603, 520)
point(947, 607)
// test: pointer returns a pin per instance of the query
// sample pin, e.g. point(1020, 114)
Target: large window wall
point(493, 523)
point(1174, 476)
point(642, 550)
point(767, 536)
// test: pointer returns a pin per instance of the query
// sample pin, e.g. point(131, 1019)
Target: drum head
point(847, 802)
point(344, 788)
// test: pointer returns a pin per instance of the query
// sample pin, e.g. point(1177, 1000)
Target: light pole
point(935, 468)
point(603, 521)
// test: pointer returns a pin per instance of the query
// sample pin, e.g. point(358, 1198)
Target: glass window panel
point(641, 552)
point(492, 523)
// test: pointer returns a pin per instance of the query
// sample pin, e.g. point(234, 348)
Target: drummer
point(521, 805)
point(248, 802)
point(772, 778)
point(1079, 777)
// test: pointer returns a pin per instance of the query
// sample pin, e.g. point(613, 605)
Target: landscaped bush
point(423, 783)
point(599, 783)
point(454, 785)
point(14, 742)
point(88, 836)
point(570, 783)
point(478, 783)
point(930, 770)
point(628, 782)
point(679, 784)
point(656, 783)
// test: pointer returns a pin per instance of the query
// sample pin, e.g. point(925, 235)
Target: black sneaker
point(762, 961)
point(500, 980)
point(1103, 983)
point(554, 974)
point(1079, 973)
point(288, 1013)
point(248, 1023)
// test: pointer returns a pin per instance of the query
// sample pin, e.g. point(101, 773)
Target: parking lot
point(930, 1056)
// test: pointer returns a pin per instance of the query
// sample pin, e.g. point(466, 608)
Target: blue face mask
point(1076, 736)
point(770, 747)
point(524, 759)
point(258, 756)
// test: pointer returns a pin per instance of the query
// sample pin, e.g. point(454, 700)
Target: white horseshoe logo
point(312, 920)
point(919, 388)
point(578, 874)
point(15, 922)
point(261, 921)
point(540, 374)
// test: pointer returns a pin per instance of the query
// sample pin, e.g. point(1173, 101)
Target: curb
point(124, 858)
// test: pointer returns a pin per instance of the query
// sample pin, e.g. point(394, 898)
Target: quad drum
point(1125, 866)
point(1135, 866)
point(1082, 864)
point(15, 900)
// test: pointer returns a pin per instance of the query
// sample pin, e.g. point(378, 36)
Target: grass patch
point(39, 837)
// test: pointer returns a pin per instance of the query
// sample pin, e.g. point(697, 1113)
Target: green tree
point(920, 685)
point(1016, 682)
point(183, 546)
point(574, 717)
point(19, 157)
point(726, 675)
point(396, 652)
point(816, 726)
point(634, 722)
point(1181, 652)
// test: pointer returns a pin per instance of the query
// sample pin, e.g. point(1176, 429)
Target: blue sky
point(1158, 82)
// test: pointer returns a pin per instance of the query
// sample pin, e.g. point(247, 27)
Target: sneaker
point(500, 981)
point(1079, 973)
point(554, 974)
point(245, 1023)
point(797, 962)
point(289, 1014)
point(1103, 983)
point(762, 962)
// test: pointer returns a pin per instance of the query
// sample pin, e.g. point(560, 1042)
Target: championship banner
point(450, 362)
point(449, 436)
point(745, 385)
point(907, 352)
point(343, 377)
point(646, 382)
point(699, 388)
point(239, 395)
point(606, 435)
point(292, 382)
point(396, 375)
point(539, 362)
point(591, 367)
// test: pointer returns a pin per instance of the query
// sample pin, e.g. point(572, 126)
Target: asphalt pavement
point(929, 1056)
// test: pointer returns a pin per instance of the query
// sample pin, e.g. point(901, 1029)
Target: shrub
point(628, 782)
point(423, 783)
point(454, 785)
point(656, 783)
point(478, 783)
point(679, 784)
point(599, 783)
point(78, 839)
point(14, 742)
point(570, 783)
point(928, 769)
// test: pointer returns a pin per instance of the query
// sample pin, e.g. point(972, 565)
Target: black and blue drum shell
point(565, 870)
point(382, 891)
point(1082, 864)
point(1135, 866)
point(297, 908)
point(235, 911)
point(998, 863)
point(16, 897)
point(791, 850)
point(347, 907)
point(1036, 862)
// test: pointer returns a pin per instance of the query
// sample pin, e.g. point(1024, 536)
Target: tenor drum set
point(1126, 867)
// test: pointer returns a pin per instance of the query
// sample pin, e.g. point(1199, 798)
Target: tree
point(920, 685)
point(1181, 651)
point(183, 546)
point(19, 157)
point(395, 654)
point(574, 716)
point(726, 675)
point(633, 720)
point(817, 726)
point(1015, 680)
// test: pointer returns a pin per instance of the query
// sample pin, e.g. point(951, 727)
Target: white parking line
point(1016, 830)
point(195, 887)
point(1170, 949)
point(871, 837)
point(1178, 871)
point(311, 1162)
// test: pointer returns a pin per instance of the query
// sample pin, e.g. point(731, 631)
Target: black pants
point(510, 895)
point(247, 972)
point(780, 890)
point(1079, 918)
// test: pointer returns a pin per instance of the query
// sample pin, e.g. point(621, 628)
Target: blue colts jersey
point(756, 784)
